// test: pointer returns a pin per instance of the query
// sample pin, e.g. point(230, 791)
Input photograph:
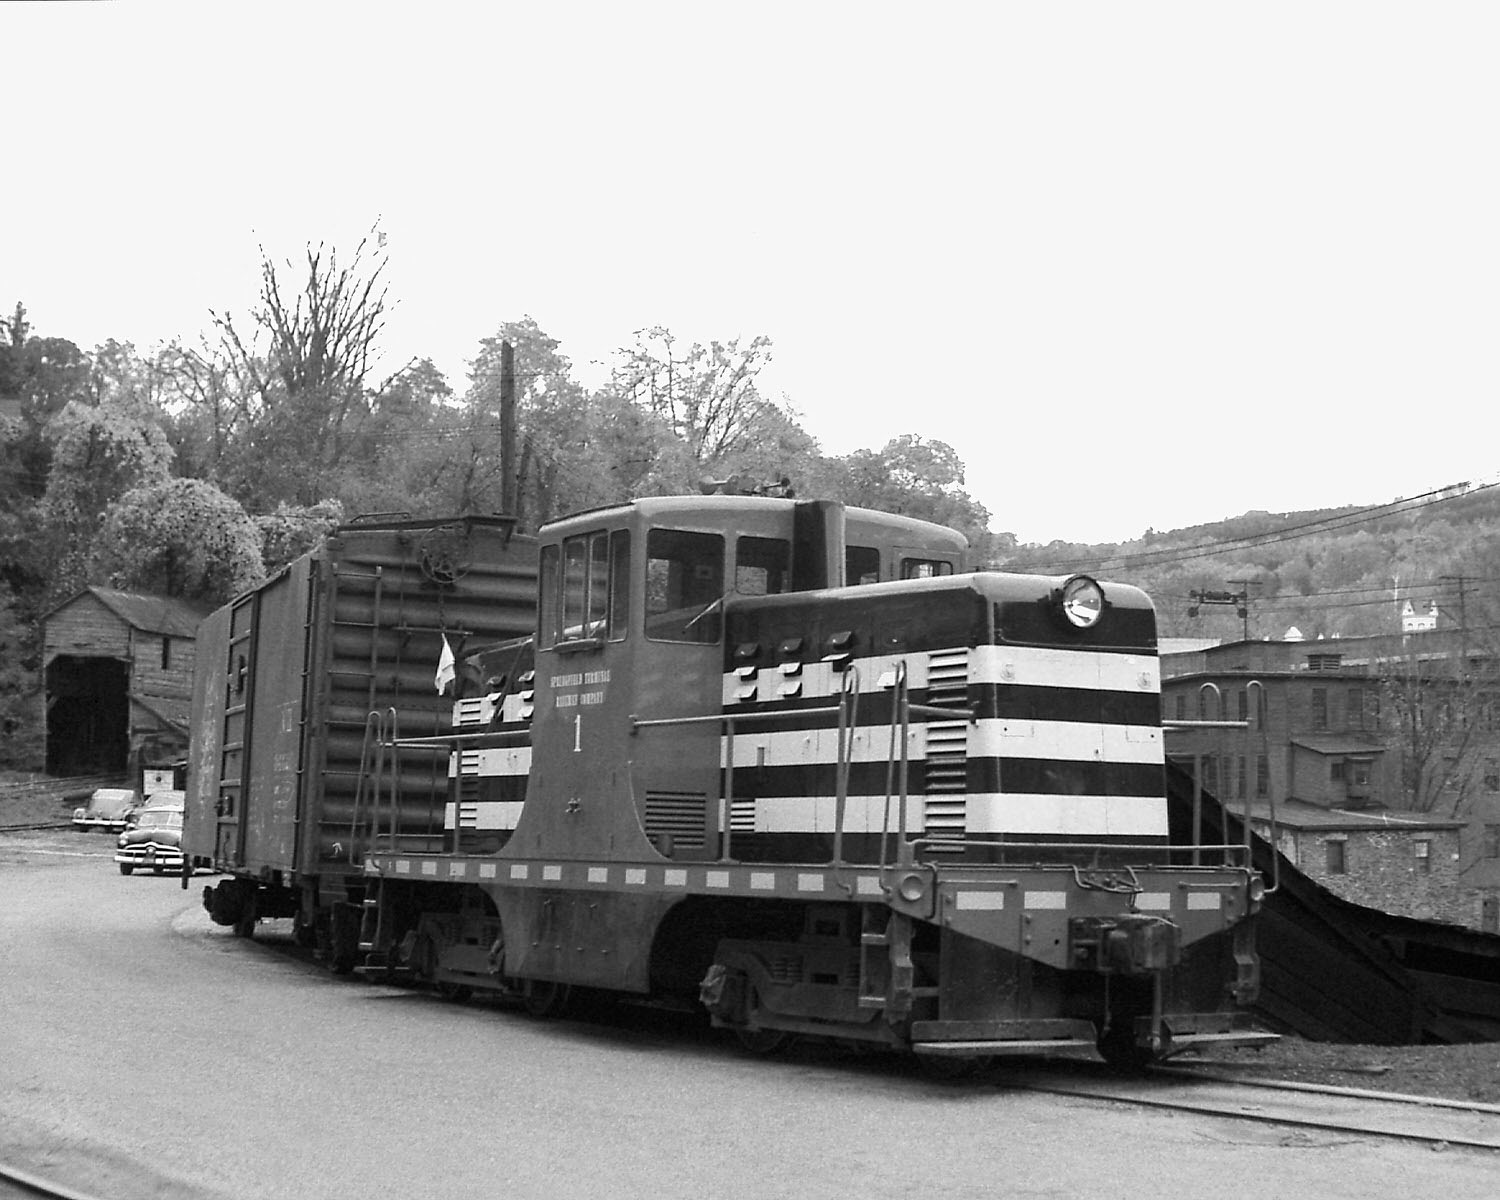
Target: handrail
point(367, 780)
point(848, 719)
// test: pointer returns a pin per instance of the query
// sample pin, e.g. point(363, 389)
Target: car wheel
point(126, 868)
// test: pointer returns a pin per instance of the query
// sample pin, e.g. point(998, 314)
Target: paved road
point(146, 1052)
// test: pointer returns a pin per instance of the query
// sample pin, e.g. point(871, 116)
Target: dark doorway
point(88, 716)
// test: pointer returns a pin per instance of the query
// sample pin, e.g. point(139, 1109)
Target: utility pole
point(1240, 599)
point(509, 497)
point(1463, 616)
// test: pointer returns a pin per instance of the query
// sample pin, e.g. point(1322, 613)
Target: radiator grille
point(948, 746)
point(677, 817)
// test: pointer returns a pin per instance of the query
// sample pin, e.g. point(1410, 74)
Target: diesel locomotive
point(790, 762)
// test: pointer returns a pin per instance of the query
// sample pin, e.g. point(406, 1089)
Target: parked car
point(154, 840)
point(106, 810)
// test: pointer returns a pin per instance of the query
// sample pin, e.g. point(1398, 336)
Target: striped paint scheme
point(1030, 772)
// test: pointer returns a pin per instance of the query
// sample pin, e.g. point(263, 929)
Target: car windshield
point(162, 818)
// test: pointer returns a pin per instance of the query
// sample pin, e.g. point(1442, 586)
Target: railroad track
point(27, 1184)
point(1299, 1105)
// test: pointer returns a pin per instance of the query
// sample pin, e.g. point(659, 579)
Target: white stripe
point(598, 874)
point(1204, 900)
point(551, 873)
point(674, 878)
point(985, 813)
point(1044, 900)
point(635, 875)
point(717, 879)
point(815, 814)
point(487, 814)
point(810, 883)
point(1100, 816)
point(763, 881)
point(1072, 741)
point(1154, 902)
point(981, 901)
point(1026, 666)
point(495, 762)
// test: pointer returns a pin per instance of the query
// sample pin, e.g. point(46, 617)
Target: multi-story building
point(1381, 756)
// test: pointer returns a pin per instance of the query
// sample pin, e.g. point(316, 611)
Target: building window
point(1181, 707)
point(1489, 914)
point(1492, 841)
point(1242, 703)
point(1356, 708)
point(1423, 851)
point(1491, 775)
point(1262, 776)
point(166, 653)
point(1320, 708)
point(1336, 770)
point(1337, 863)
point(1240, 783)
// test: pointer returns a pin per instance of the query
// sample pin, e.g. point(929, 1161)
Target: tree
point(100, 451)
point(182, 538)
point(290, 532)
point(706, 395)
point(921, 478)
point(21, 738)
point(298, 378)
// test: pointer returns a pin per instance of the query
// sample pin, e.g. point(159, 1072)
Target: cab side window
point(924, 568)
point(762, 566)
point(684, 585)
point(585, 588)
point(861, 565)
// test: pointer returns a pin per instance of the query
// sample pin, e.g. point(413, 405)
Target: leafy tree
point(99, 453)
point(921, 478)
point(20, 703)
point(290, 532)
point(182, 538)
point(706, 395)
point(291, 392)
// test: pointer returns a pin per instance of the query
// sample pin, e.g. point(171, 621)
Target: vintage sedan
point(154, 840)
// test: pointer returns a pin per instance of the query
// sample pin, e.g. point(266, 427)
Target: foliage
point(182, 538)
point(290, 532)
point(920, 478)
point(20, 703)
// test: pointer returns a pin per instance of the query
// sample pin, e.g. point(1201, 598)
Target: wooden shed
point(118, 681)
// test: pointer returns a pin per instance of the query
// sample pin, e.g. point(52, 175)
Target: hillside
point(1338, 571)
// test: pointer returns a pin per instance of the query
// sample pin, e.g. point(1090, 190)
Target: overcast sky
point(1140, 264)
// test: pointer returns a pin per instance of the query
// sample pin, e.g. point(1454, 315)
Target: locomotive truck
point(788, 761)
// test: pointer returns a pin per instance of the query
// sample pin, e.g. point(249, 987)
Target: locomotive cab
point(626, 744)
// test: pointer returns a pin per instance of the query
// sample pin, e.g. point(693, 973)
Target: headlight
point(1082, 601)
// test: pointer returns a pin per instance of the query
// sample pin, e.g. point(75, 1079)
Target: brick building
point(118, 681)
point(1381, 754)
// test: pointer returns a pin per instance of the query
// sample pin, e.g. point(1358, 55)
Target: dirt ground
point(1464, 1072)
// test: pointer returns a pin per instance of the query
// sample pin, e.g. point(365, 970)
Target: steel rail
point(1122, 1092)
point(35, 1185)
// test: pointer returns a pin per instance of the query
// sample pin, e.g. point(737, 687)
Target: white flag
point(445, 671)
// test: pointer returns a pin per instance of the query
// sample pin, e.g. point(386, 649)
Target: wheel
point(126, 868)
point(545, 998)
point(762, 1042)
point(455, 993)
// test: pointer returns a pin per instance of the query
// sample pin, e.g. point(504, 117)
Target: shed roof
point(1298, 814)
point(150, 614)
point(1338, 745)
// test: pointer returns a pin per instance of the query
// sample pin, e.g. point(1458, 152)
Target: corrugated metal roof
point(150, 614)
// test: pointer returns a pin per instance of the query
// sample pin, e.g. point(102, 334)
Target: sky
point(1141, 265)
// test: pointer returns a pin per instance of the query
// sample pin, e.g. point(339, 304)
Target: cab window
point(584, 588)
point(684, 585)
point(924, 568)
point(861, 565)
point(762, 566)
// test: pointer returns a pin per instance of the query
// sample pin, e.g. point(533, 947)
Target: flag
point(445, 671)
